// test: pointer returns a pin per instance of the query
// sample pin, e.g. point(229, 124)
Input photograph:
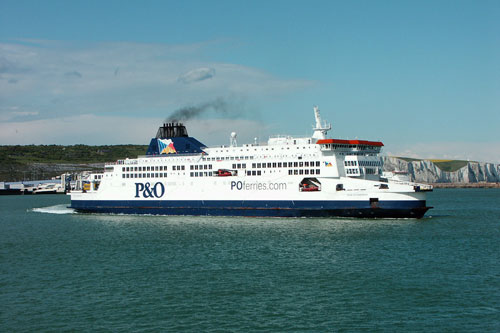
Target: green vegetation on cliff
point(449, 165)
point(68, 154)
point(408, 159)
point(444, 165)
point(23, 162)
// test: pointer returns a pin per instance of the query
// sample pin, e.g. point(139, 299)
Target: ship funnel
point(171, 130)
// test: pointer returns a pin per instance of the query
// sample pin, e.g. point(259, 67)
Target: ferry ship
point(286, 177)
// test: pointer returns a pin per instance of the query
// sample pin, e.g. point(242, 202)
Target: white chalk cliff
point(427, 172)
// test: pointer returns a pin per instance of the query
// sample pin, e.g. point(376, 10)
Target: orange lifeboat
point(223, 173)
point(309, 188)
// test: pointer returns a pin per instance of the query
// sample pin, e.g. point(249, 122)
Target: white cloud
point(85, 129)
point(12, 113)
point(58, 79)
point(198, 74)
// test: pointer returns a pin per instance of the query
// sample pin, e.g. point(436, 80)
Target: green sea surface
point(62, 271)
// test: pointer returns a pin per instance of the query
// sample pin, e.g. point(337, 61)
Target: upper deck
point(172, 147)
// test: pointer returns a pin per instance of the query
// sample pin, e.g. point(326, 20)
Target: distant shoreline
point(466, 185)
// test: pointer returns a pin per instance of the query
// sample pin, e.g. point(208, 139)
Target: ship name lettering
point(257, 186)
point(238, 185)
point(147, 191)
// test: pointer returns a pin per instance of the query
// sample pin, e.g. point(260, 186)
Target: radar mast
point(321, 129)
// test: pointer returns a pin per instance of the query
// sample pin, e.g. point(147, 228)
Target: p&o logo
point(146, 190)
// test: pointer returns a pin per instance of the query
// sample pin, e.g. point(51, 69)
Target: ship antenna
point(232, 140)
point(321, 129)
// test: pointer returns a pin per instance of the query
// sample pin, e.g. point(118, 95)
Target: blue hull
point(385, 209)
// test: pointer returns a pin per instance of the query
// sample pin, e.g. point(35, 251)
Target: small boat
point(50, 188)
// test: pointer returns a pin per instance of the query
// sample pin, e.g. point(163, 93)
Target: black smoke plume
point(219, 105)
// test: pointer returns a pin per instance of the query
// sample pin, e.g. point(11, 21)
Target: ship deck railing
point(170, 155)
point(136, 160)
point(404, 182)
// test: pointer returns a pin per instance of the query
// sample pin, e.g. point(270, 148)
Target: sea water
point(64, 271)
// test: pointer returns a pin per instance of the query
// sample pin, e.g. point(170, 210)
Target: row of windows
point(201, 174)
point(362, 163)
point(228, 158)
point(240, 166)
point(259, 173)
point(356, 153)
point(235, 166)
point(369, 171)
point(369, 163)
point(238, 158)
point(359, 147)
point(300, 164)
point(145, 175)
point(290, 172)
point(304, 172)
point(153, 168)
point(261, 149)
point(200, 167)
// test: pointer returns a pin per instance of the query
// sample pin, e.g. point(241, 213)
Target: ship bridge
point(359, 158)
point(350, 145)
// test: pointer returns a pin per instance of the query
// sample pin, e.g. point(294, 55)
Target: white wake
point(57, 209)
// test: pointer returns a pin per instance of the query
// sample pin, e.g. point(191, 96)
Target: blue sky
point(421, 76)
